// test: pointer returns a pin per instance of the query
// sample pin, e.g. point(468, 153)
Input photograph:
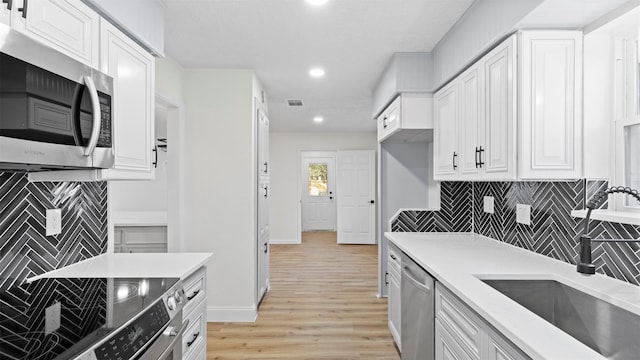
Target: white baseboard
point(284, 241)
point(223, 314)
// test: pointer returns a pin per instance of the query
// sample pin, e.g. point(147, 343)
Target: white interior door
point(356, 197)
point(318, 189)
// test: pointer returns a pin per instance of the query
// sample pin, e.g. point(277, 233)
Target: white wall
point(284, 156)
point(219, 204)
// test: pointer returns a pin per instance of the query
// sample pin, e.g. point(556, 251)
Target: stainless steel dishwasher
point(418, 313)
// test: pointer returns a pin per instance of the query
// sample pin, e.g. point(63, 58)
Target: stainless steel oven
point(168, 346)
point(93, 319)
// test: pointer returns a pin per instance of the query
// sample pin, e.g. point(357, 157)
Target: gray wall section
point(482, 26)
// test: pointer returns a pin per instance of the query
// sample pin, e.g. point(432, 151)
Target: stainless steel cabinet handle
point(266, 167)
point(266, 248)
point(9, 3)
point(480, 151)
point(386, 277)
point(384, 122)
point(266, 191)
point(155, 152)
point(393, 256)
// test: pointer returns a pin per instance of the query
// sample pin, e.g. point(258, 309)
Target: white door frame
point(302, 182)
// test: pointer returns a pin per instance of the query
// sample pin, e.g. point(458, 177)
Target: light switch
point(54, 222)
point(488, 204)
point(523, 214)
point(52, 318)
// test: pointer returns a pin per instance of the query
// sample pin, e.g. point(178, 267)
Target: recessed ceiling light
point(316, 72)
point(316, 2)
point(318, 119)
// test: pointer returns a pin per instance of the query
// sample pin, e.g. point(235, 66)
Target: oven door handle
point(177, 335)
point(97, 116)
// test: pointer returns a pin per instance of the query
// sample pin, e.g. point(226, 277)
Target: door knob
point(372, 201)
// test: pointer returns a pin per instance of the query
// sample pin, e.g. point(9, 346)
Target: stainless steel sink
point(608, 329)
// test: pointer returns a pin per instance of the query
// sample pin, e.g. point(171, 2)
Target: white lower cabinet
point(195, 335)
point(194, 339)
point(447, 347)
point(462, 334)
point(394, 301)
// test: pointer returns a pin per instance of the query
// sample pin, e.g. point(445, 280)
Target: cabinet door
point(446, 346)
point(68, 26)
point(500, 349)
point(394, 307)
point(263, 144)
point(445, 139)
point(390, 120)
point(498, 140)
point(551, 102)
point(262, 246)
point(133, 71)
point(471, 120)
point(5, 14)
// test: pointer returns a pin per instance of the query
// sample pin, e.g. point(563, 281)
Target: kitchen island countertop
point(460, 260)
point(133, 265)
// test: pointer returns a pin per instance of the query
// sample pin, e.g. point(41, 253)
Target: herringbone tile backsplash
point(25, 251)
point(553, 231)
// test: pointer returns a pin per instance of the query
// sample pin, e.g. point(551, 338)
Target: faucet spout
point(585, 264)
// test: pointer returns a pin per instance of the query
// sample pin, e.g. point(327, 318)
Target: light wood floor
point(322, 305)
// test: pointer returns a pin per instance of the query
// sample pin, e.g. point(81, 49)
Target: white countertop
point(458, 260)
point(133, 265)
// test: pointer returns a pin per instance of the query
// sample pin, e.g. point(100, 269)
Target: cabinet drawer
point(199, 353)
point(394, 260)
point(464, 326)
point(195, 290)
point(196, 333)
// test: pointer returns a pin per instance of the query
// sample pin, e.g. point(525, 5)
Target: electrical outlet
point(54, 222)
point(488, 204)
point(523, 214)
point(52, 318)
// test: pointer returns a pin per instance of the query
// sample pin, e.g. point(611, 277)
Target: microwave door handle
point(97, 116)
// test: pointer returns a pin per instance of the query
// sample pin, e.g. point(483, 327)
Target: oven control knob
point(171, 302)
point(179, 297)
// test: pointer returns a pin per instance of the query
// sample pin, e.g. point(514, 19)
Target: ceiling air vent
point(295, 102)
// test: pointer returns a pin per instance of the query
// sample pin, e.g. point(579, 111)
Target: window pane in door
point(317, 180)
point(632, 161)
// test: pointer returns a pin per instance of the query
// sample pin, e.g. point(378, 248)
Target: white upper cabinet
point(496, 149)
point(475, 138)
point(406, 112)
point(550, 104)
point(445, 135)
point(5, 13)
point(263, 144)
point(496, 133)
point(68, 26)
point(133, 72)
point(471, 120)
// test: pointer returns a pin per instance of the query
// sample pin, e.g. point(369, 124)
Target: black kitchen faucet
point(585, 266)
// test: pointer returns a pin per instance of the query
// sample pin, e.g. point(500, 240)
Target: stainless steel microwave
point(55, 112)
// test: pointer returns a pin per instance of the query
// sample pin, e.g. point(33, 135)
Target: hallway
point(322, 305)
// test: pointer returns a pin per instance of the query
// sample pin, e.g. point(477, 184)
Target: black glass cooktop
point(60, 318)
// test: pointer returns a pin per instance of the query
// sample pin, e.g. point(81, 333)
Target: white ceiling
point(282, 39)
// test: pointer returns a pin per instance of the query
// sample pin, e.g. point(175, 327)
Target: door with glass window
point(318, 191)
